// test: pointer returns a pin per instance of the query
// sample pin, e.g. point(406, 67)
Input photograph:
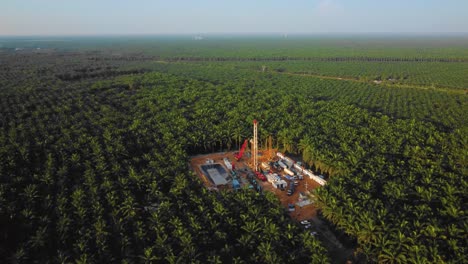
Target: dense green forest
point(94, 148)
point(418, 74)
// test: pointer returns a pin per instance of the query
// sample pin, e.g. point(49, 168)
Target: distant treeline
point(79, 75)
point(283, 58)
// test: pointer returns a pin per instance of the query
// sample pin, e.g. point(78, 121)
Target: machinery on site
point(235, 184)
point(255, 145)
point(239, 155)
point(254, 149)
point(260, 176)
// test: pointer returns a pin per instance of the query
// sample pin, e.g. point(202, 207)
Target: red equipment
point(260, 176)
point(239, 155)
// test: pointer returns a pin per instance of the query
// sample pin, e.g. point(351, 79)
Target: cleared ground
point(307, 184)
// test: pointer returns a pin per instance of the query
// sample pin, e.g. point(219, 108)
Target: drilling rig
point(255, 145)
point(239, 155)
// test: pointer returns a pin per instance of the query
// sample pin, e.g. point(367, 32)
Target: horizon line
point(236, 34)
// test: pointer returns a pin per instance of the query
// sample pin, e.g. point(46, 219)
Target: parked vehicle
point(291, 189)
point(305, 222)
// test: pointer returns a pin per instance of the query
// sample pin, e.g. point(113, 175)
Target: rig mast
point(255, 145)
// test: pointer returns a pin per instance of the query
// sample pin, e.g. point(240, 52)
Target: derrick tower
point(255, 145)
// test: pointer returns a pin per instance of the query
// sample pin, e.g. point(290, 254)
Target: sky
point(102, 17)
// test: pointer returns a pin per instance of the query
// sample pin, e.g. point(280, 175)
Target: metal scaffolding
point(255, 146)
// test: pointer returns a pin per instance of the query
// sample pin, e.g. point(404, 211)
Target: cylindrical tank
point(288, 171)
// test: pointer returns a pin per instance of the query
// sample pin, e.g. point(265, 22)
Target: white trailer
point(276, 181)
point(298, 167)
point(280, 155)
point(285, 161)
point(289, 162)
point(315, 177)
point(280, 184)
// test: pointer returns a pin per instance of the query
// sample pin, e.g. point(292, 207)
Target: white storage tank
point(288, 171)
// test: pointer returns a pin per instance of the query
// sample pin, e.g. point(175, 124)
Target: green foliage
point(79, 189)
point(93, 169)
point(422, 74)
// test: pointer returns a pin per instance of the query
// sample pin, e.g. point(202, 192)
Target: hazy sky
point(90, 17)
